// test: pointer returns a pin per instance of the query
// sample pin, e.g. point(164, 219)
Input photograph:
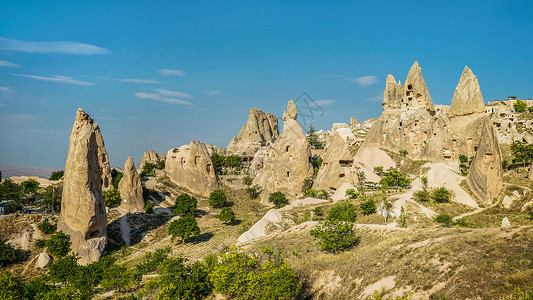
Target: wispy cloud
point(5, 63)
point(5, 88)
point(213, 93)
point(135, 80)
point(364, 80)
point(170, 72)
point(374, 99)
point(158, 97)
point(324, 102)
point(58, 79)
point(173, 93)
point(62, 47)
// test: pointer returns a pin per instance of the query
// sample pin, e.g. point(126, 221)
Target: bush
point(160, 165)
point(116, 176)
point(342, 211)
point(10, 287)
point(531, 216)
point(322, 194)
point(319, 210)
point(56, 175)
point(7, 254)
point(152, 260)
point(226, 215)
point(445, 220)
point(181, 281)
point(278, 198)
point(149, 207)
point(218, 162)
point(441, 195)
point(308, 183)
point(233, 161)
point(45, 227)
point(393, 178)
point(184, 204)
point(112, 198)
point(58, 245)
point(217, 199)
point(311, 193)
point(253, 191)
point(368, 207)
point(239, 275)
point(378, 170)
point(247, 180)
point(335, 236)
point(421, 196)
point(520, 106)
point(351, 194)
point(184, 227)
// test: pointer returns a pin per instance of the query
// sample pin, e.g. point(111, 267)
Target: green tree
point(424, 182)
point(226, 215)
point(9, 190)
point(317, 162)
point(523, 153)
point(218, 162)
point(335, 236)
point(11, 288)
point(445, 220)
point(185, 227)
point(56, 175)
point(149, 207)
point(185, 204)
point(253, 191)
point(46, 227)
point(7, 254)
point(520, 106)
point(342, 211)
point(247, 180)
point(351, 193)
point(278, 199)
point(403, 153)
point(441, 195)
point(311, 193)
point(378, 170)
point(58, 245)
point(181, 281)
point(394, 178)
point(112, 198)
point(368, 207)
point(233, 161)
point(218, 199)
point(116, 176)
point(421, 196)
point(30, 186)
point(403, 221)
point(361, 176)
point(308, 183)
point(160, 165)
point(312, 138)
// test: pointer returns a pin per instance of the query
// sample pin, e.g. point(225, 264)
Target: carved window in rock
point(183, 161)
point(288, 174)
point(342, 175)
point(409, 86)
point(208, 168)
point(287, 149)
point(93, 234)
point(197, 160)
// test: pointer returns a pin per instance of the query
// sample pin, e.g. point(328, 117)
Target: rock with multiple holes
point(130, 189)
point(151, 157)
point(83, 215)
point(336, 166)
point(261, 129)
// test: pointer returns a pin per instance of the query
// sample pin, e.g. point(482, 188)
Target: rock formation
point(151, 157)
point(416, 90)
point(485, 174)
point(337, 166)
point(44, 260)
point(103, 160)
point(258, 162)
point(288, 163)
point(260, 130)
point(130, 189)
point(190, 166)
point(467, 98)
point(83, 215)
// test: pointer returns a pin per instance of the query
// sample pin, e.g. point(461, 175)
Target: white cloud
point(323, 102)
point(157, 97)
point(5, 88)
point(57, 78)
point(176, 101)
point(135, 80)
point(364, 80)
point(170, 72)
point(62, 47)
point(5, 63)
point(173, 93)
point(213, 93)
point(148, 96)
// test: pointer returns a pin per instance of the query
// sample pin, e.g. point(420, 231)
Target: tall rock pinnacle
point(130, 189)
point(467, 98)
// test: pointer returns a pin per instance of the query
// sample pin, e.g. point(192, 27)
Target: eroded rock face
point(103, 160)
point(83, 215)
point(288, 163)
point(337, 166)
point(151, 157)
point(130, 189)
point(416, 90)
point(190, 166)
point(467, 98)
point(260, 130)
point(485, 174)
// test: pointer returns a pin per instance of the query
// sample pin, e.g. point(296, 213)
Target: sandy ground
point(441, 174)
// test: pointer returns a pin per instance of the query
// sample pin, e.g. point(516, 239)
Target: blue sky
point(158, 74)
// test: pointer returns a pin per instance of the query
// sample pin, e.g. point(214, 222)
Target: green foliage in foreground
point(278, 199)
point(7, 254)
point(56, 175)
point(45, 227)
point(217, 199)
point(112, 198)
point(239, 275)
point(368, 207)
point(394, 178)
point(519, 295)
point(335, 236)
point(58, 245)
point(184, 204)
point(184, 227)
point(441, 195)
point(226, 215)
point(342, 211)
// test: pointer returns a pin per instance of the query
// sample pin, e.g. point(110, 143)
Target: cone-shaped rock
point(130, 189)
point(416, 90)
point(103, 160)
point(288, 163)
point(260, 130)
point(467, 98)
point(190, 166)
point(151, 157)
point(393, 95)
point(337, 166)
point(83, 215)
point(485, 174)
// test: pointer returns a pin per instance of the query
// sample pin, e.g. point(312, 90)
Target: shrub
point(351, 193)
point(308, 183)
point(40, 243)
point(378, 170)
point(7, 253)
point(45, 227)
point(10, 287)
point(160, 165)
point(335, 236)
point(311, 193)
point(233, 161)
point(56, 175)
point(421, 196)
point(30, 186)
point(322, 194)
point(239, 275)
point(319, 210)
point(278, 199)
point(393, 177)
point(217, 199)
point(253, 191)
point(218, 162)
point(152, 260)
point(184, 227)
point(149, 207)
point(247, 180)
point(58, 245)
point(531, 216)
point(112, 198)
point(444, 219)
point(181, 281)
point(184, 204)
point(342, 211)
point(441, 195)
point(368, 207)
point(520, 106)
point(226, 215)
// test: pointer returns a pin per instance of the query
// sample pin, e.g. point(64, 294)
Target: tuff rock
point(130, 189)
point(336, 168)
point(260, 130)
point(151, 157)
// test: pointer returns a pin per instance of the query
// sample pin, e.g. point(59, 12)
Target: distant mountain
point(8, 171)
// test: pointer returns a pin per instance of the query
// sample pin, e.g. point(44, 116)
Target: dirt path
point(406, 197)
point(125, 229)
point(477, 211)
